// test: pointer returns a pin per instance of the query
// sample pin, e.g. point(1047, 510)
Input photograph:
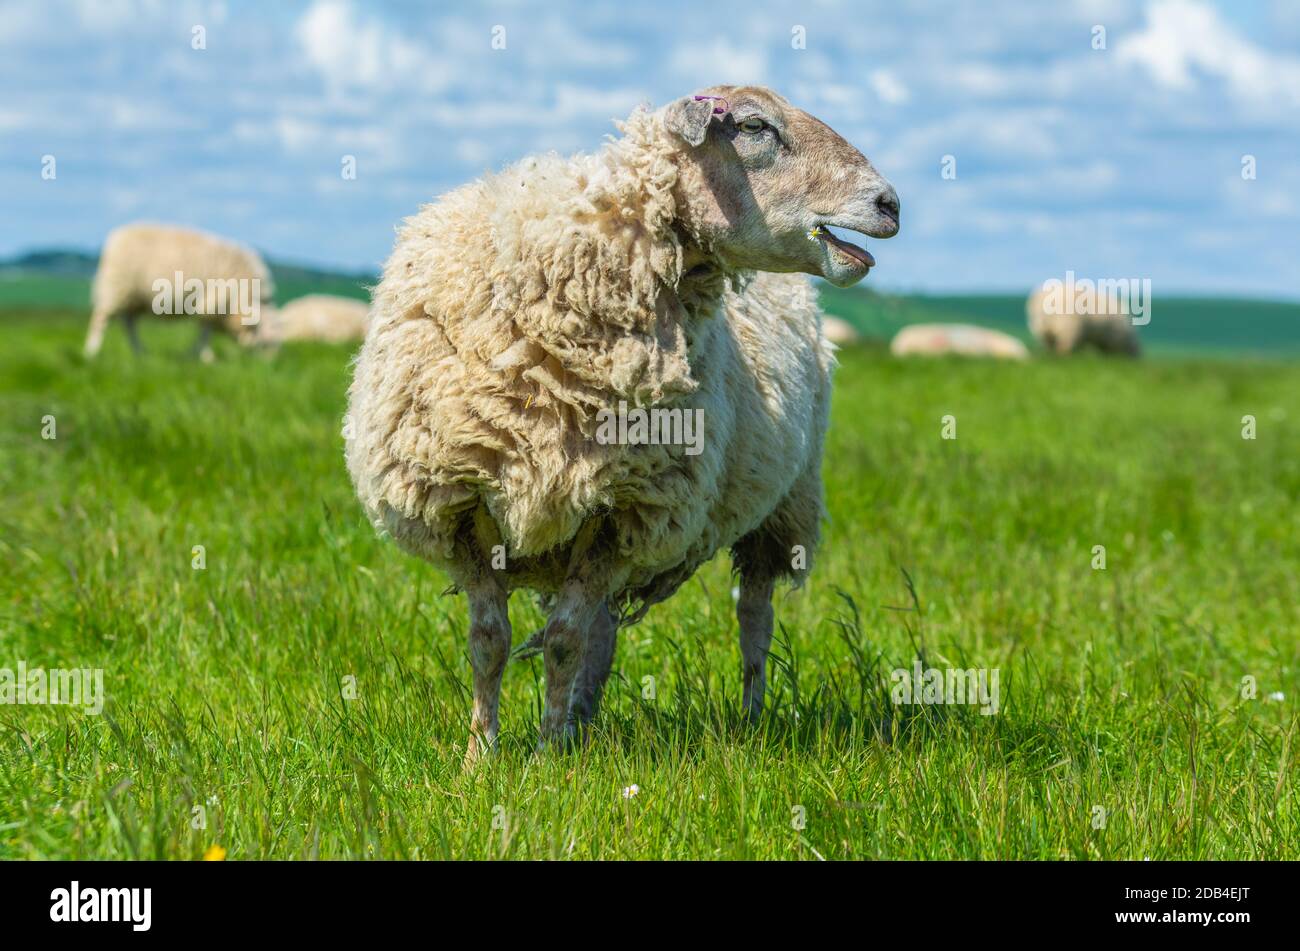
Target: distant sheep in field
point(1067, 333)
point(178, 273)
point(324, 317)
point(839, 331)
point(528, 324)
point(964, 340)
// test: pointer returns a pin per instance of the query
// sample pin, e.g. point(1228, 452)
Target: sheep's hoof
point(558, 740)
point(478, 751)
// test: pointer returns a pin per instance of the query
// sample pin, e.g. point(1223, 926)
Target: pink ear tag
point(721, 110)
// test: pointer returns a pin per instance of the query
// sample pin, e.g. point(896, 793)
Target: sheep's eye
point(752, 125)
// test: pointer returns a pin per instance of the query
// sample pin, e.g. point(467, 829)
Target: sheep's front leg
point(202, 343)
point(489, 648)
point(564, 640)
point(597, 659)
point(133, 333)
point(754, 612)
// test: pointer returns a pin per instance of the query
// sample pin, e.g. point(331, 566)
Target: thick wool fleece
point(517, 307)
point(136, 255)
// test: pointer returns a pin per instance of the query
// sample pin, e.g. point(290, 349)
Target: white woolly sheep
point(522, 316)
point(325, 317)
point(1067, 333)
point(965, 340)
point(176, 273)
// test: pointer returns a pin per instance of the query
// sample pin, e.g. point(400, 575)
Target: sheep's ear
point(689, 117)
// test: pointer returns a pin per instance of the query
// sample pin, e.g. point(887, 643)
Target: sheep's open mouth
point(860, 255)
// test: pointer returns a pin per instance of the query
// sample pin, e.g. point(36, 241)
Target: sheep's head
point(761, 184)
point(268, 332)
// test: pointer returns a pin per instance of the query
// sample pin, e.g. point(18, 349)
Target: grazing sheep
point(1070, 333)
point(524, 318)
point(177, 273)
point(839, 332)
point(325, 317)
point(965, 340)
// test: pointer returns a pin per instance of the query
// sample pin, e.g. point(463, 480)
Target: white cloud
point(302, 136)
point(888, 87)
point(573, 101)
point(982, 79)
point(11, 119)
point(1272, 196)
point(1053, 178)
point(350, 51)
point(1185, 37)
point(555, 42)
point(127, 114)
point(473, 151)
point(1102, 11)
point(1007, 135)
point(718, 62)
point(1064, 77)
point(108, 15)
point(571, 104)
point(20, 23)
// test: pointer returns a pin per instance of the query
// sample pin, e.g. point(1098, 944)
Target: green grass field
point(1122, 731)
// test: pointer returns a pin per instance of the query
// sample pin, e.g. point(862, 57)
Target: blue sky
point(1117, 162)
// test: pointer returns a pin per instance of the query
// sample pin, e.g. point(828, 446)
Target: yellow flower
point(215, 853)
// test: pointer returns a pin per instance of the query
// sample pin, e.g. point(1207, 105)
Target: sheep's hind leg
point(594, 571)
point(756, 617)
point(597, 659)
point(563, 643)
point(489, 649)
point(781, 548)
point(133, 332)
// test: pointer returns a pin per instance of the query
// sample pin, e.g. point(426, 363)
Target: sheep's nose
point(887, 205)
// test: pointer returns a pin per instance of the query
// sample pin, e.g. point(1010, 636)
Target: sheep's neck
point(702, 283)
